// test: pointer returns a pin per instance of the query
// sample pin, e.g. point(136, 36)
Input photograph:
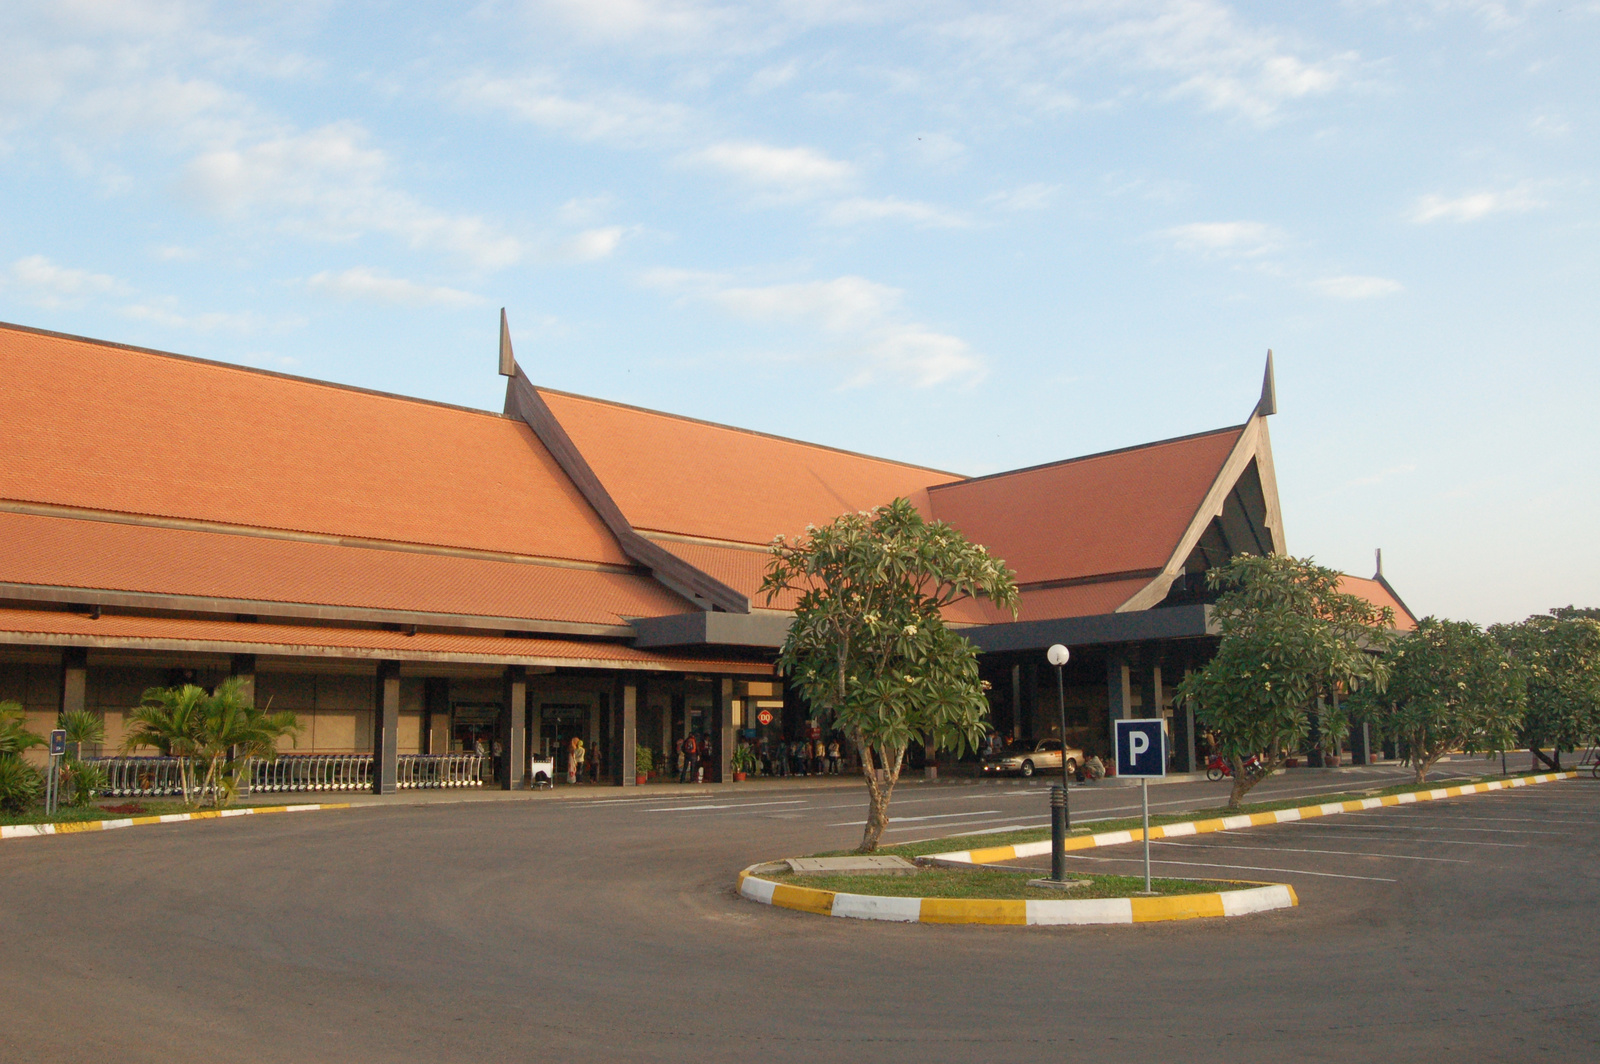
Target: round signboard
point(765, 716)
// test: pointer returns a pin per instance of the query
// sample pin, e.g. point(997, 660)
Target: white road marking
point(1250, 868)
point(745, 805)
point(1423, 827)
point(908, 819)
point(1291, 849)
point(1390, 838)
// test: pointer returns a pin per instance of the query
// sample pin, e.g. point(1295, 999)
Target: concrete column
point(243, 668)
point(1119, 693)
point(1360, 744)
point(722, 708)
point(1183, 720)
point(74, 679)
point(435, 707)
point(1150, 691)
point(512, 729)
point(386, 728)
point(1016, 701)
point(627, 732)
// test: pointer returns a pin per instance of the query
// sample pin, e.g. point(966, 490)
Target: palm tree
point(14, 734)
point(233, 731)
point(171, 720)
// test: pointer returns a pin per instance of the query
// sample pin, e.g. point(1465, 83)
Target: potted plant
point(644, 759)
point(744, 759)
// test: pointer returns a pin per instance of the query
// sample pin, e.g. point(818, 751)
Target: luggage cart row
point(160, 777)
point(440, 770)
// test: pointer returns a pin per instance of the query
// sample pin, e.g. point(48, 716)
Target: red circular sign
point(765, 716)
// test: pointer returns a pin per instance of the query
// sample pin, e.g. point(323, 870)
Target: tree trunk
point(878, 792)
point(1553, 765)
point(1243, 781)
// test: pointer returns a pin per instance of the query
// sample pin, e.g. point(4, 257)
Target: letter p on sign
point(1141, 748)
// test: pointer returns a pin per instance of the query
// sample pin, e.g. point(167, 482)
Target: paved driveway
point(594, 929)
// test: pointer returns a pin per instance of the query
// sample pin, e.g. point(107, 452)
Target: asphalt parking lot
point(604, 928)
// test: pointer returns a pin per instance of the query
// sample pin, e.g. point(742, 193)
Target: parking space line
point(1238, 868)
point(1424, 827)
point(1435, 842)
point(1293, 849)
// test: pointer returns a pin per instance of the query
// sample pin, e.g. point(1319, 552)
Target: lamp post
point(1060, 811)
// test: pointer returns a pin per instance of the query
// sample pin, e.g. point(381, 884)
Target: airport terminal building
point(415, 579)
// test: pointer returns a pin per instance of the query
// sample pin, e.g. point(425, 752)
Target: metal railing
point(158, 777)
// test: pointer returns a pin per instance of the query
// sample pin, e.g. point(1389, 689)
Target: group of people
point(801, 757)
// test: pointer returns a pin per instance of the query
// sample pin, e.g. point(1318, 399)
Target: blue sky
point(972, 236)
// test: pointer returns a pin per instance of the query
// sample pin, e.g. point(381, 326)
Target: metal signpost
point(1142, 753)
point(52, 779)
point(1060, 811)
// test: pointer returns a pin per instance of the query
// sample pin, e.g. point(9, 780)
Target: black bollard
point(1058, 833)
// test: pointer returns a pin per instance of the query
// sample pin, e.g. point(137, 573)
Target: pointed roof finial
point(1269, 391)
point(508, 361)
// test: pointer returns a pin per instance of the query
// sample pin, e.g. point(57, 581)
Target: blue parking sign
point(1141, 748)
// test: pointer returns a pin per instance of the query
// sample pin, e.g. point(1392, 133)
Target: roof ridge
point(748, 432)
point(217, 363)
point(1089, 457)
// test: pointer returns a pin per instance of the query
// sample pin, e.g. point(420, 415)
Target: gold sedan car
point(1025, 759)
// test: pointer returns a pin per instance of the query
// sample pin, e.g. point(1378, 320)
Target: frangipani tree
point(1289, 638)
point(1559, 654)
point(1450, 687)
point(869, 647)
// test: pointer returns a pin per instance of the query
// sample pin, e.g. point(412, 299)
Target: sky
point(971, 236)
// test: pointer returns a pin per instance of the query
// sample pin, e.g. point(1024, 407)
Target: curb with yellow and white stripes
point(995, 854)
point(1048, 912)
point(29, 831)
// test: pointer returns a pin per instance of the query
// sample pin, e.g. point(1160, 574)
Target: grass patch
point(993, 883)
point(107, 809)
point(1010, 838)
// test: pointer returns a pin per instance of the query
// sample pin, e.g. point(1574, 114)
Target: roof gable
point(1119, 512)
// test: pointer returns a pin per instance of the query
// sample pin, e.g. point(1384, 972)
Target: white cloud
point(1031, 197)
point(165, 312)
point(362, 283)
point(50, 286)
point(865, 317)
point(1357, 287)
point(799, 171)
point(659, 23)
point(617, 117)
point(938, 147)
point(1475, 205)
point(592, 245)
point(1247, 239)
point(840, 305)
point(891, 208)
point(327, 183)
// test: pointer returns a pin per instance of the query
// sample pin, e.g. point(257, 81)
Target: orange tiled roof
point(1121, 512)
point(1078, 600)
point(102, 555)
point(161, 633)
point(104, 427)
point(677, 475)
point(739, 567)
point(1374, 592)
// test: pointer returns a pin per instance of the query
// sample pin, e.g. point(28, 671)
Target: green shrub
point(85, 780)
point(644, 759)
point(744, 759)
point(20, 785)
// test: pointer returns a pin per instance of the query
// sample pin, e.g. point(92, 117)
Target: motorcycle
point(1217, 767)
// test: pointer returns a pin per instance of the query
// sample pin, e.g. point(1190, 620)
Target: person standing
point(574, 759)
point(833, 756)
point(691, 752)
